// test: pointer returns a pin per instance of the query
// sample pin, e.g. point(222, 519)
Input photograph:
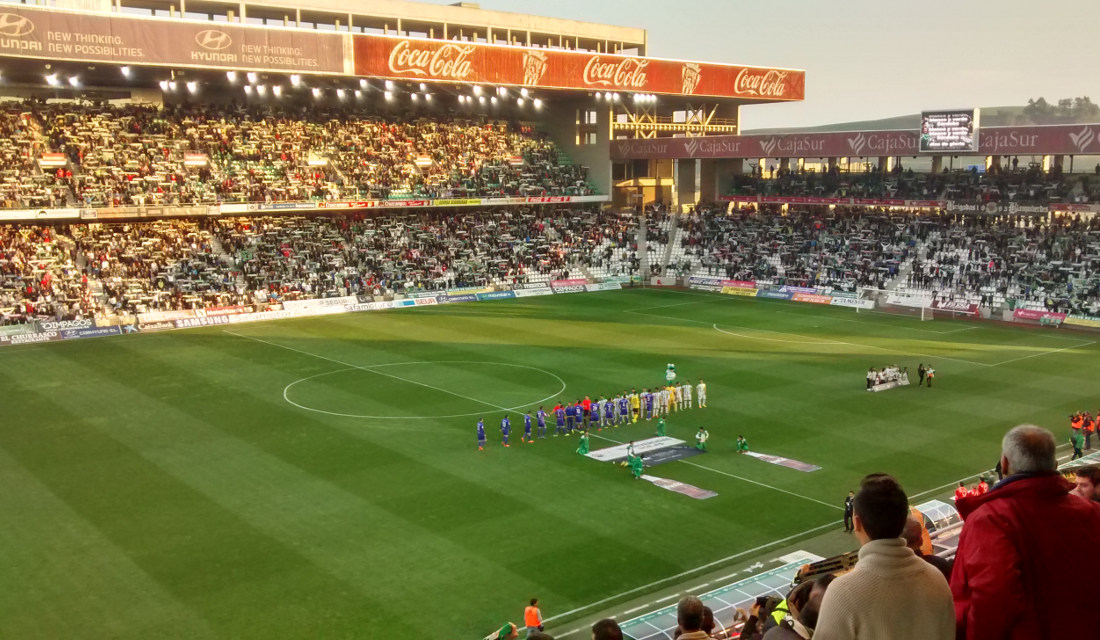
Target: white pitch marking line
point(368, 369)
point(691, 571)
point(956, 483)
point(761, 484)
point(630, 611)
point(1045, 353)
point(864, 323)
point(667, 598)
point(797, 495)
point(854, 344)
point(741, 335)
point(696, 589)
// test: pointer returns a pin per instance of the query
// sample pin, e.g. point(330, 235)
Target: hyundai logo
point(14, 26)
point(213, 40)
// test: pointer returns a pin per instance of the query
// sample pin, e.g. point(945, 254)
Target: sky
point(867, 60)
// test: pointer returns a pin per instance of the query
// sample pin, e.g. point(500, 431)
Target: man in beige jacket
point(891, 593)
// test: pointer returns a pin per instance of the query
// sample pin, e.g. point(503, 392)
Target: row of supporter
point(1019, 184)
point(86, 269)
point(104, 154)
point(89, 269)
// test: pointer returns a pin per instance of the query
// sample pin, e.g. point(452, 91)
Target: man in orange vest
point(532, 617)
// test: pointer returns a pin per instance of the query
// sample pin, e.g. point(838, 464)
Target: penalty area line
point(368, 369)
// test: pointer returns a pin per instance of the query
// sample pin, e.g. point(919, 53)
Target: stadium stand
point(131, 154)
point(996, 185)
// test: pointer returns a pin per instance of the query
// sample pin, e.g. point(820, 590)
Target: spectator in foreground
point(1020, 546)
point(914, 539)
point(607, 629)
point(1087, 484)
point(891, 593)
point(689, 615)
point(804, 603)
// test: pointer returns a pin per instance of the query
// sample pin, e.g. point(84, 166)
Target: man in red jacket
point(1021, 545)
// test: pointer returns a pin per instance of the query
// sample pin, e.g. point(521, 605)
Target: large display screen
point(949, 131)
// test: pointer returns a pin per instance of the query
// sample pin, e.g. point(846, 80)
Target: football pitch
point(320, 478)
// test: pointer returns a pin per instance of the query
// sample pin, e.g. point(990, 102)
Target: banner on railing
point(1040, 316)
point(956, 306)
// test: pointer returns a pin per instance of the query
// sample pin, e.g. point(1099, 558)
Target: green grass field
point(202, 484)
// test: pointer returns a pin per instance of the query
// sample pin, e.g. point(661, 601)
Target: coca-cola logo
point(767, 146)
point(769, 84)
point(534, 67)
point(15, 26)
point(450, 61)
point(629, 73)
point(690, 74)
point(213, 39)
point(1083, 138)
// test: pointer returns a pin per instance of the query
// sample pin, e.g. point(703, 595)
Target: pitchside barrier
point(861, 301)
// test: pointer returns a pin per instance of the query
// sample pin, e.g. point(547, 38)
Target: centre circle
point(490, 407)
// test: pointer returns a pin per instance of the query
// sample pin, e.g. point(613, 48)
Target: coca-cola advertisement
point(471, 62)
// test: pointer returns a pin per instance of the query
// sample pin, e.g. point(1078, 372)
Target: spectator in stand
point(914, 539)
point(607, 629)
point(689, 616)
point(891, 593)
point(1020, 546)
point(1087, 483)
point(804, 604)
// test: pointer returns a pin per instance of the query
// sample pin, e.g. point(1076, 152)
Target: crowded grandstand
point(328, 252)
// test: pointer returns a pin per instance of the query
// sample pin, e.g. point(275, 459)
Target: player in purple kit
point(648, 398)
point(624, 409)
point(481, 434)
point(609, 412)
point(505, 429)
point(540, 417)
point(559, 416)
point(527, 428)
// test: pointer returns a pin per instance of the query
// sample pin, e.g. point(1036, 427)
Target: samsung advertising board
point(949, 132)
